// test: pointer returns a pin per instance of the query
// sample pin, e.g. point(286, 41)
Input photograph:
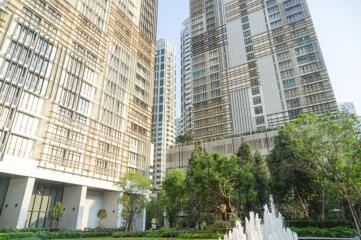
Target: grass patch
point(111, 238)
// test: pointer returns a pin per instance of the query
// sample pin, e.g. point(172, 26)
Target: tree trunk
point(355, 219)
point(171, 221)
point(303, 205)
point(323, 205)
point(130, 224)
point(343, 210)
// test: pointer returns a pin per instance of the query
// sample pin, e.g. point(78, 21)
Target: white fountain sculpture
point(272, 227)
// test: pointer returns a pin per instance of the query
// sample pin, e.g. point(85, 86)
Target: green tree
point(339, 161)
point(55, 214)
point(135, 187)
point(102, 215)
point(199, 204)
point(262, 181)
point(294, 184)
point(244, 154)
point(185, 138)
point(256, 170)
point(315, 155)
point(155, 212)
point(173, 194)
point(214, 180)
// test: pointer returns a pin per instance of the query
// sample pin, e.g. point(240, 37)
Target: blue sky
point(338, 26)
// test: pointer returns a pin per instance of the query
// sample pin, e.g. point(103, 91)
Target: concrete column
point(114, 209)
point(17, 201)
point(74, 199)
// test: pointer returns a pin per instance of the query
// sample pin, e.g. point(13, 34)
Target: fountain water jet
point(272, 227)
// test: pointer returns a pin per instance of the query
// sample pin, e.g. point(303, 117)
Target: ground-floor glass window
point(4, 183)
point(43, 199)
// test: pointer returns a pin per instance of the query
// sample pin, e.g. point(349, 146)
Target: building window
point(4, 183)
point(20, 147)
point(257, 100)
point(260, 120)
point(258, 110)
point(255, 91)
point(289, 83)
point(42, 201)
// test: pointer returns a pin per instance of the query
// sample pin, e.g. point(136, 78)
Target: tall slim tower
point(164, 120)
point(76, 93)
point(186, 78)
point(256, 65)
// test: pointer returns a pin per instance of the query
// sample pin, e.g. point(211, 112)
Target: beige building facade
point(76, 91)
point(256, 64)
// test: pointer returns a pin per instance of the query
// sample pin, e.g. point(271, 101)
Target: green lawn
point(110, 238)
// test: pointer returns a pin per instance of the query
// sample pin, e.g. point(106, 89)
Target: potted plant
point(55, 214)
point(102, 215)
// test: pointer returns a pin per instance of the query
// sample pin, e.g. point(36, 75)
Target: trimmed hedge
point(55, 234)
point(202, 235)
point(171, 233)
point(7, 234)
point(342, 232)
point(32, 230)
point(129, 234)
point(318, 224)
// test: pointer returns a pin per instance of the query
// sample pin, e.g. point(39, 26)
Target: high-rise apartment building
point(256, 64)
point(178, 127)
point(347, 107)
point(76, 92)
point(164, 121)
point(186, 78)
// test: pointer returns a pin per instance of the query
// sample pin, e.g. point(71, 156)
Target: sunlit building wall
point(255, 65)
point(76, 95)
point(164, 108)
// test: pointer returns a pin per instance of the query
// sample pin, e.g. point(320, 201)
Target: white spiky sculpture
point(272, 227)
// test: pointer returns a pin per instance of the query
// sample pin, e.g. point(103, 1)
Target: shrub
point(163, 230)
point(55, 234)
point(129, 234)
point(169, 234)
point(121, 229)
point(56, 213)
point(43, 235)
point(152, 234)
point(200, 235)
point(318, 224)
point(218, 225)
point(8, 230)
point(102, 215)
point(16, 235)
point(342, 232)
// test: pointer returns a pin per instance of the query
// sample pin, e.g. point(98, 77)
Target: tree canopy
point(185, 138)
point(135, 187)
point(222, 186)
point(317, 158)
point(173, 194)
